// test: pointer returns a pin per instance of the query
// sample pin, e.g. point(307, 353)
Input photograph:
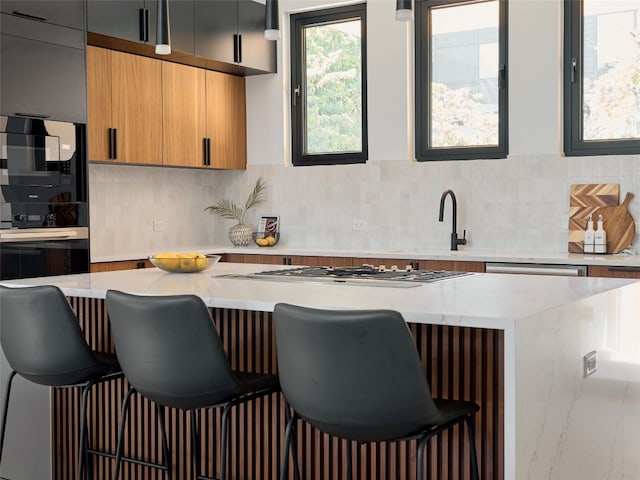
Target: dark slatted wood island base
point(460, 362)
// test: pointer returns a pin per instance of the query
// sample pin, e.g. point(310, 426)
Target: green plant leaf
point(228, 208)
point(257, 196)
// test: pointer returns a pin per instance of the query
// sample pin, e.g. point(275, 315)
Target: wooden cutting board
point(585, 199)
point(619, 225)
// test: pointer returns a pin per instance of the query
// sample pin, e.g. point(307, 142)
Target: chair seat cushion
point(450, 410)
point(105, 364)
point(213, 397)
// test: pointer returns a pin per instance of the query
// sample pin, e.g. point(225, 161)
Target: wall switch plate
point(589, 363)
point(159, 225)
point(360, 224)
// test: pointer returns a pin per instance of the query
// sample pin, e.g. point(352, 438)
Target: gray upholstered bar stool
point(43, 343)
point(170, 352)
point(356, 374)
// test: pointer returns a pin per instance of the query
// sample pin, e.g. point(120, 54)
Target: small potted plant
point(240, 234)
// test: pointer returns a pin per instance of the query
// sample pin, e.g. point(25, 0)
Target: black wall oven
point(44, 213)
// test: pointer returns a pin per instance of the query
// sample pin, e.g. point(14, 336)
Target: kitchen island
point(514, 344)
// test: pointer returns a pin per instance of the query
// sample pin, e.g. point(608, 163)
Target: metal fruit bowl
point(263, 239)
point(183, 262)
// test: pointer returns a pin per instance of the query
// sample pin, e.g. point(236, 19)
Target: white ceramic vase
point(240, 235)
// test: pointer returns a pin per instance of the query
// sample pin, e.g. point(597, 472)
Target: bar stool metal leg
point(166, 455)
point(195, 442)
point(123, 419)
point(472, 447)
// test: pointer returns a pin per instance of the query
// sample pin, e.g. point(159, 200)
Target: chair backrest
point(41, 337)
point(355, 374)
point(169, 349)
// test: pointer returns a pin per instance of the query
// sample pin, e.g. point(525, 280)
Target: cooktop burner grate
point(366, 272)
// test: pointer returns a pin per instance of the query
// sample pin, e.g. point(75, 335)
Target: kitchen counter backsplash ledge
point(413, 254)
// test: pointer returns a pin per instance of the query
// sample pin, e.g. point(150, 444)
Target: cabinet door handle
point(31, 115)
point(204, 151)
point(206, 144)
point(144, 25)
point(237, 48)
point(113, 144)
point(30, 17)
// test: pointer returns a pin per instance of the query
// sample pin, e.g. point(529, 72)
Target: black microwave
point(37, 152)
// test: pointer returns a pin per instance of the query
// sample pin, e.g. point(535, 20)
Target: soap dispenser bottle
point(600, 238)
point(589, 237)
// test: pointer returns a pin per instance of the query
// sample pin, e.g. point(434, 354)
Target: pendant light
point(403, 10)
point(163, 44)
point(271, 21)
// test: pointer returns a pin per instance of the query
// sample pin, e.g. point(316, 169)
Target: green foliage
point(228, 209)
point(333, 89)
point(612, 100)
point(460, 119)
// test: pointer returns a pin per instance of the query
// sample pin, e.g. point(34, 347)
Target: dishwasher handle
point(538, 269)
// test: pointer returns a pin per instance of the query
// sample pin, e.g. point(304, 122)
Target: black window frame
point(424, 152)
point(298, 22)
point(573, 70)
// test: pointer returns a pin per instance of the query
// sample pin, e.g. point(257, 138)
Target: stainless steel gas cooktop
point(365, 275)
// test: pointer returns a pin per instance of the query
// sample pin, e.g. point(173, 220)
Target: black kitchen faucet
point(455, 241)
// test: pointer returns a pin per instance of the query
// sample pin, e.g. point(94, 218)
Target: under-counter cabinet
point(125, 107)
point(614, 271)
point(37, 59)
point(120, 265)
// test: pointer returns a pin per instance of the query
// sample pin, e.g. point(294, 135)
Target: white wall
point(516, 204)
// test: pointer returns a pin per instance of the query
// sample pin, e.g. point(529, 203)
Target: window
point(460, 87)
point(328, 83)
point(602, 77)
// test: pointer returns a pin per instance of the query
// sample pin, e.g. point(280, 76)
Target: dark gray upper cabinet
point(232, 31)
point(67, 13)
point(216, 28)
point(223, 35)
point(42, 70)
point(181, 19)
point(135, 20)
point(126, 19)
point(257, 52)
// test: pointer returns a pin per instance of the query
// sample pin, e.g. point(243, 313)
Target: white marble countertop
point(480, 300)
point(552, 414)
point(564, 258)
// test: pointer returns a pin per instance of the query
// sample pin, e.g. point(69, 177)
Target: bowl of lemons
point(263, 239)
point(183, 262)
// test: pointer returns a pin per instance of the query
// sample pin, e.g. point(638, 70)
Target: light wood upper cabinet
point(226, 120)
point(125, 107)
point(99, 103)
point(183, 115)
point(148, 111)
point(137, 108)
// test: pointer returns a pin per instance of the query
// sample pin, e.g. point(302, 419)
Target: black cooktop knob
point(20, 217)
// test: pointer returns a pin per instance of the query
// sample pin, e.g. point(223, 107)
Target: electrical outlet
point(159, 225)
point(589, 363)
point(359, 224)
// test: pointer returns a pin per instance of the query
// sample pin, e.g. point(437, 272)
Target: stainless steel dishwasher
point(538, 269)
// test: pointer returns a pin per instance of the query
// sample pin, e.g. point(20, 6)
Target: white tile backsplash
point(512, 205)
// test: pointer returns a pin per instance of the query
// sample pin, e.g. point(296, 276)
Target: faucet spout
point(455, 241)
